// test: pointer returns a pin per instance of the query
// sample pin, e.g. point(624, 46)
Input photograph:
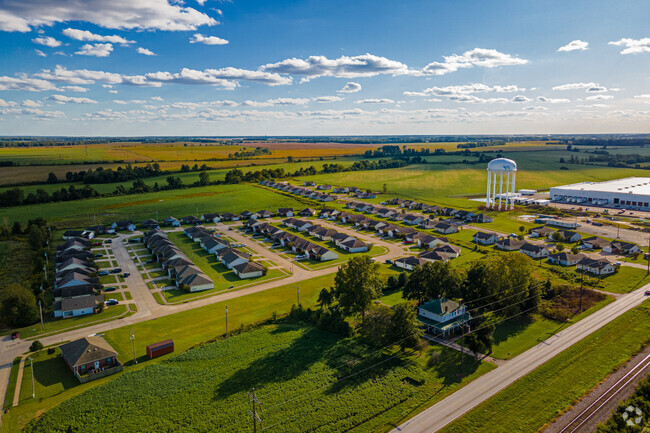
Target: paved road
point(488, 385)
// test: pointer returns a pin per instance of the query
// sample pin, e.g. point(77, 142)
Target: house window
point(83, 368)
point(109, 360)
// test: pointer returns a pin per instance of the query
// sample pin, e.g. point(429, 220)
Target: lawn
point(307, 380)
point(53, 326)
point(51, 376)
point(11, 387)
point(625, 280)
point(537, 398)
point(222, 277)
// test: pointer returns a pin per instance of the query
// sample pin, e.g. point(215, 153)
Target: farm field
point(307, 379)
point(179, 203)
point(536, 399)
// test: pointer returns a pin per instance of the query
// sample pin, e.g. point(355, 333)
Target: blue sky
point(209, 67)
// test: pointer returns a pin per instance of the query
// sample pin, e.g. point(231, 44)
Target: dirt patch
point(568, 304)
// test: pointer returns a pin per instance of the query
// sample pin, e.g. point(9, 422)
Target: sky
point(335, 67)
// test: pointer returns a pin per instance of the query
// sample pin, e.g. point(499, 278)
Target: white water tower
point(501, 170)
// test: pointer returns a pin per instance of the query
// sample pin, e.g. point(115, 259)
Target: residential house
point(309, 183)
point(194, 282)
point(90, 358)
point(301, 225)
point(565, 259)
point(124, 225)
point(172, 222)
point(534, 251)
point(428, 224)
point(77, 306)
point(285, 212)
point(434, 256)
point(324, 187)
point(245, 215)
point(264, 214)
point(450, 250)
point(248, 270)
point(211, 217)
point(442, 316)
point(541, 232)
point(324, 233)
point(409, 263)
point(622, 248)
point(509, 244)
point(568, 236)
point(428, 241)
point(101, 230)
point(150, 224)
point(483, 238)
point(354, 246)
point(307, 212)
point(483, 218)
point(322, 254)
point(73, 234)
point(596, 266)
point(339, 238)
point(73, 263)
point(227, 216)
point(233, 257)
point(327, 213)
point(190, 219)
point(594, 243)
point(411, 219)
point(444, 228)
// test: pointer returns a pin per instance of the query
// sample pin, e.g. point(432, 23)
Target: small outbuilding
point(159, 349)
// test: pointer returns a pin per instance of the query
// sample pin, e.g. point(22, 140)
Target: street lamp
point(226, 319)
point(135, 361)
point(298, 293)
point(31, 361)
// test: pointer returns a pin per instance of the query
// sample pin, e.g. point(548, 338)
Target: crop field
point(537, 398)
point(452, 185)
point(307, 379)
point(179, 203)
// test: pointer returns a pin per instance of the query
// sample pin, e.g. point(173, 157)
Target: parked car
point(513, 235)
point(112, 302)
point(14, 335)
point(597, 224)
point(126, 274)
point(102, 273)
point(389, 262)
point(116, 271)
point(97, 244)
point(229, 228)
point(149, 261)
point(647, 293)
point(109, 241)
point(110, 289)
point(99, 255)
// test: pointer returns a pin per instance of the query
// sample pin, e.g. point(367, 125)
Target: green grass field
point(11, 388)
point(307, 379)
point(536, 399)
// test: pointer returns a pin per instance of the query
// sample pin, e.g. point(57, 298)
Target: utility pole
point(580, 308)
point(40, 309)
point(135, 361)
point(45, 272)
point(253, 413)
point(226, 319)
point(31, 361)
point(47, 262)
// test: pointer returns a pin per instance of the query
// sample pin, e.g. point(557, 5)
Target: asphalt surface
point(465, 399)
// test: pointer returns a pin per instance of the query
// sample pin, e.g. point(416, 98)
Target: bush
point(36, 346)
point(51, 351)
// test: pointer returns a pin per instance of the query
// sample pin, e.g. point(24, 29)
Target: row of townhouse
point(77, 290)
point(236, 260)
point(591, 243)
point(441, 253)
point(392, 230)
point(185, 274)
point(296, 190)
point(456, 214)
point(289, 240)
point(541, 251)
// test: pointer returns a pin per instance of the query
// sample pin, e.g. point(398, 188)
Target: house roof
point(542, 230)
point(533, 248)
point(595, 241)
point(411, 260)
point(78, 302)
point(594, 263)
point(448, 249)
point(483, 235)
point(440, 306)
point(354, 243)
point(86, 350)
point(244, 268)
point(194, 280)
point(434, 255)
point(567, 257)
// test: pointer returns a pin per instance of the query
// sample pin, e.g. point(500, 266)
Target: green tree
point(357, 284)
point(37, 237)
point(402, 279)
point(377, 325)
point(16, 229)
point(51, 178)
point(325, 298)
point(204, 178)
point(522, 229)
point(405, 327)
point(18, 306)
point(36, 346)
point(575, 249)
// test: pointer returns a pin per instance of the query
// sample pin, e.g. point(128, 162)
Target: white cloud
point(74, 88)
point(25, 84)
point(79, 76)
point(21, 16)
point(156, 98)
point(288, 101)
point(31, 104)
point(36, 112)
point(224, 77)
point(112, 91)
point(62, 99)
point(374, 101)
point(644, 96)
point(574, 45)
point(552, 100)
point(132, 101)
point(596, 89)
point(521, 98)
point(48, 41)
point(535, 108)
point(633, 46)
point(366, 65)
point(481, 57)
point(350, 87)
point(574, 86)
point(145, 51)
point(40, 53)
point(325, 99)
point(476, 100)
point(85, 35)
point(599, 97)
point(466, 89)
point(198, 38)
point(97, 50)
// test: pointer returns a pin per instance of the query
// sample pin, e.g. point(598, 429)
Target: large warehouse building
point(628, 193)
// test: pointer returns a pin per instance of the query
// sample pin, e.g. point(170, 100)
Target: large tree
point(18, 306)
point(377, 325)
point(405, 327)
point(357, 284)
point(433, 280)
